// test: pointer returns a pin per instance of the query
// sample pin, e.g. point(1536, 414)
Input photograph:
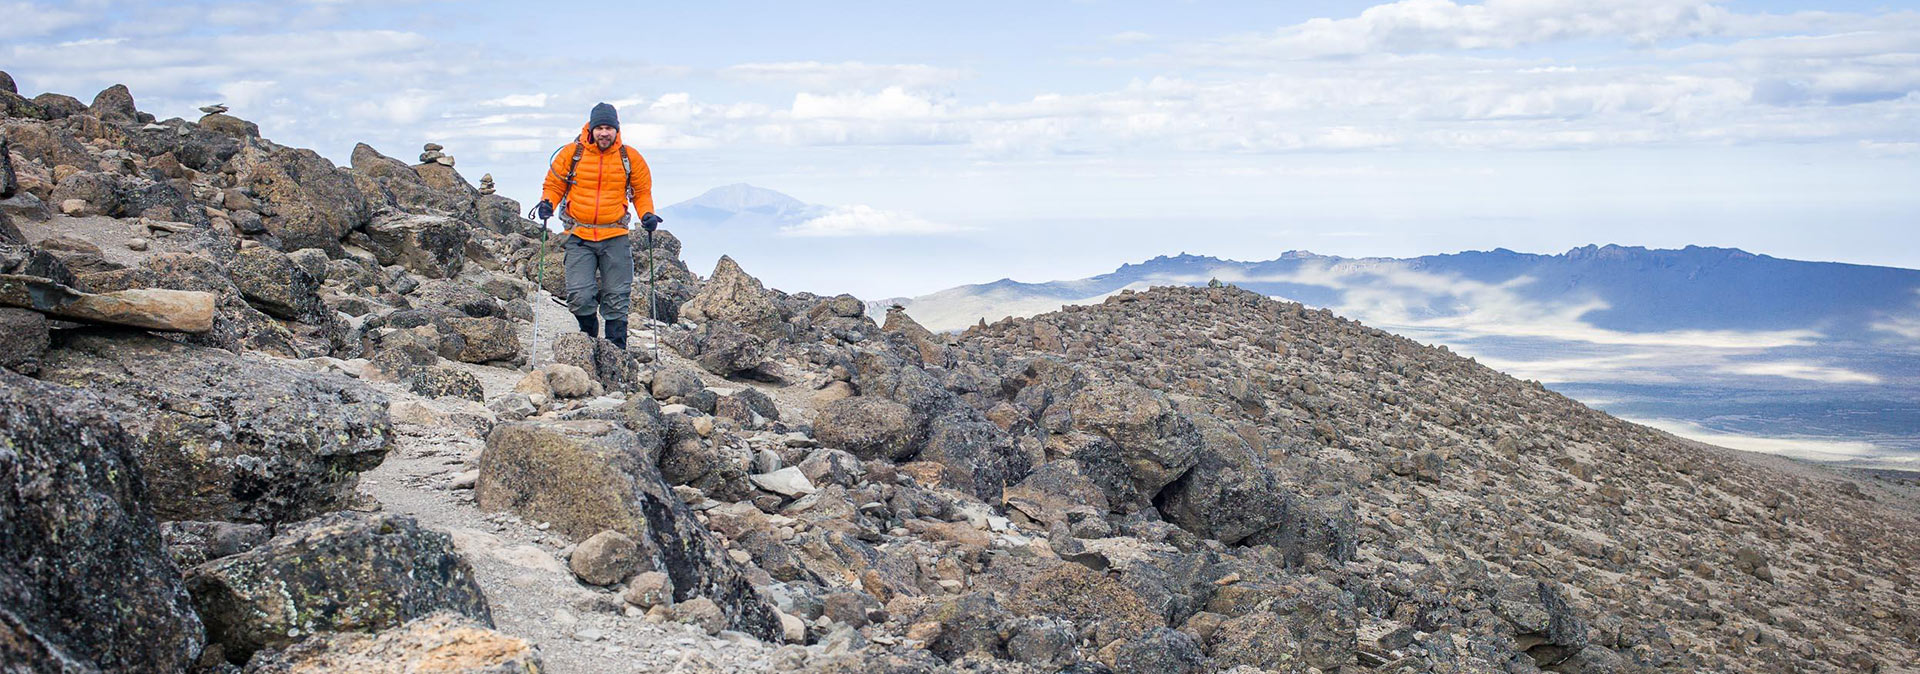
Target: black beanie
point(603, 115)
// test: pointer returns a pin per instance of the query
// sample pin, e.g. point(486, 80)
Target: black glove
point(544, 208)
point(650, 222)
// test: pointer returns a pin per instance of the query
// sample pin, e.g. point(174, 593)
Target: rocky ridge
point(364, 460)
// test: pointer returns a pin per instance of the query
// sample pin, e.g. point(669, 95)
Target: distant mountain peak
point(741, 197)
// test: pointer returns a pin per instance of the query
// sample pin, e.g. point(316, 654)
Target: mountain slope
point(1689, 557)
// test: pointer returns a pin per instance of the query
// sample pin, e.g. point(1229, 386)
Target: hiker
point(593, 180)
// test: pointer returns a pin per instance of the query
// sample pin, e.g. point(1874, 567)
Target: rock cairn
point(433, 153)
point(486, 183)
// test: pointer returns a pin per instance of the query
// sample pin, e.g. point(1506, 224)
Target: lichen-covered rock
point(313, 202)
point(1230, 493)
point(442, 643)
point(344, 572)
point(587, 476)
point(1307, 622)
point(484, 339)
point(429, 245)
point(272, 283)
point(230, 438)
point(24, 337)
point(1161, 651)
point(1155, 443)
point(441, 381)
point(731, 296)
point(84, 581)
point(722, 348)
point(869, 427)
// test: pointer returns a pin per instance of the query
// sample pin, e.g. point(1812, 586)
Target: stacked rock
point(431, 154)
point(214, 109)
point(486, 184)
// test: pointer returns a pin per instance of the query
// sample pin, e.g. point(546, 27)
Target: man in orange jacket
point(593, 180)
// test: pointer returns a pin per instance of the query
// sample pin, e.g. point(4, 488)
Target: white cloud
point(1805, 371)
point(1435, 25)
point(1815, 449)
point(860, 220)
point(26, 19)
point(518, 101)
point(1130, 37)
point(814, 75)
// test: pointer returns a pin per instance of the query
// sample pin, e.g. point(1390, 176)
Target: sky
point(1045, 139)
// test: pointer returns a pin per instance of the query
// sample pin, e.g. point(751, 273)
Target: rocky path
point(523, 569)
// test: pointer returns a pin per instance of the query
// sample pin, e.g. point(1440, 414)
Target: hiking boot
point(617, 332)
point(590, 324)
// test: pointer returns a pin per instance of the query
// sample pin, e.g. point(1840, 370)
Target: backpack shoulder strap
point(578, 150)
point(626, 162)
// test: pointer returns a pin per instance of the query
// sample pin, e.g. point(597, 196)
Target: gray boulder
point(230, 438)
point(84, 582)
point(272, 283)
point(429, 245)
point(731, 296)
point(313, 202)
point(590, 475)
point(1150, 443)
point(484, 339)
point(344, 572)
point(869, 427)
point(24, 337)
point(1230, 493)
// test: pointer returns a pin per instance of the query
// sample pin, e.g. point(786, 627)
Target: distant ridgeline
point(1629, 289)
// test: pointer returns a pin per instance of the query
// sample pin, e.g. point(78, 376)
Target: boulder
point(443, 643)
point(24, 337)
point(1543, 621)
point(1307, 621)
point(429, 245)
point(675, 383)
point(869, 427)
point(485, 339)
point(236, 324)
point(606, 558)
point(274, 284)
point(114, 104)
point(150, 308)
point(85, 584)
point(1146, 440)
point(590, 475)
point(98, 194)
point(731, 296)
point(1054, 490)
point(616, 369)
point(59, 106)
point(723, 349)
point(441, 381)
point(343, 572)
point(229, 438)
point(229, 126)
point(1161, 651)
point(1230, 493)
point(313, 202)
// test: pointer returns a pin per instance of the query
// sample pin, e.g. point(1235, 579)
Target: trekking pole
point(652, 316)
point(539, 286)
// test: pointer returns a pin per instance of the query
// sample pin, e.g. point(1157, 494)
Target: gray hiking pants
point(599, 276)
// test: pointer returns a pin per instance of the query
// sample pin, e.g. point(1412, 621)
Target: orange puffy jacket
point(599, 196)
